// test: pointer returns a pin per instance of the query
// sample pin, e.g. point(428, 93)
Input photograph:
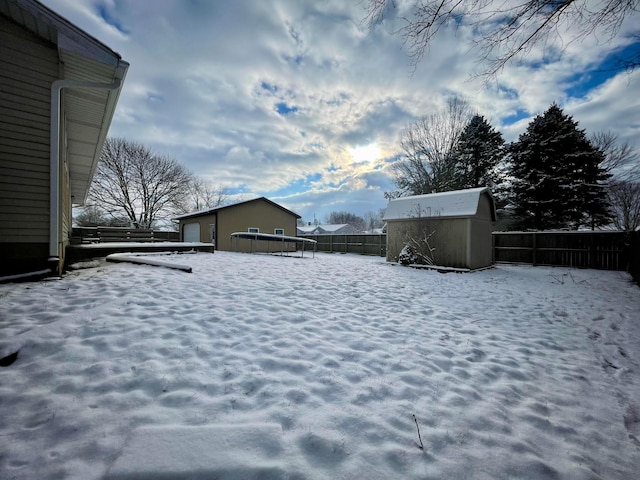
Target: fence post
point(533, 241)
point(493, 248)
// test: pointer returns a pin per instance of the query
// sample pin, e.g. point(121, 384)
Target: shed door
point(192, 232)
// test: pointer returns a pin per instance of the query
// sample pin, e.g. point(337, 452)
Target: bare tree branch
point(620, 158)
point(203, 196)
point(624, 197)
point(506, 30)
point(428, 166)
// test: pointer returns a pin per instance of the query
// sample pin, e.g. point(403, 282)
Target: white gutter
point(54, 174)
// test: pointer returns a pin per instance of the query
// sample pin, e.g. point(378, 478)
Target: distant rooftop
point(326, 227)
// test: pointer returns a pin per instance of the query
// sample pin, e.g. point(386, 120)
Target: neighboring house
point(457, 226)
point(327, 229)
point(216, 225)
point(58, 91)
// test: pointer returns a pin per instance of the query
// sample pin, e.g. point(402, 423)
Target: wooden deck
point(81, 253)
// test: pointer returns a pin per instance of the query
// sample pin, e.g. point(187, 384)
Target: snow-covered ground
point(258, 366)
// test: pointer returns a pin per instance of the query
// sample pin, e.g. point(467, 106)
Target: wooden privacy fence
point(84, 235)
point(601, 250)
point(364, 244)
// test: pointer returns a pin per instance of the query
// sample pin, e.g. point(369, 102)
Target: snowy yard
point(317, 365)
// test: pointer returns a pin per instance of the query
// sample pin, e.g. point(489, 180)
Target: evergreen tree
point(477, 154)
point(593, 191)
point(557, 175)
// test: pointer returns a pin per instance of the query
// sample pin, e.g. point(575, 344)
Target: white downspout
point(54, 174)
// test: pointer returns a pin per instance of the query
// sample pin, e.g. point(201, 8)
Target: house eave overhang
point(51, 27)
point(87, 111)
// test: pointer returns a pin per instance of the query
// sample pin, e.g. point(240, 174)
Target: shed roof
point(88, 111)
point(458, 203)
point(217, 209)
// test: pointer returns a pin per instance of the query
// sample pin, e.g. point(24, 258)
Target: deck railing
point(84, 235)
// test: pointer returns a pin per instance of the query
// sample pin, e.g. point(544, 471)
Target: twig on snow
point(418, 427)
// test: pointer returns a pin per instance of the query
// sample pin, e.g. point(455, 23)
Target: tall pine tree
point(558, 181)
point(477, 154)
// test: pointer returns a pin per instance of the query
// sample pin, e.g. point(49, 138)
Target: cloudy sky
point(298, 101)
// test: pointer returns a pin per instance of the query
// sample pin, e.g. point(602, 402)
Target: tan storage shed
point(456, 225)
point(216, 225)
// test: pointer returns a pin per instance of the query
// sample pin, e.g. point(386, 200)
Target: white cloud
point(614, 106)
point(208, 79)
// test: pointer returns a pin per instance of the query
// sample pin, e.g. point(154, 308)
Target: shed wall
point(484, 208)
point(480, 243)
point(259, 214)
point(449, 239)
point(28, 67)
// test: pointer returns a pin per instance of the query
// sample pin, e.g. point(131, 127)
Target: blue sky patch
point(104, 13)
point(284, 109)
point(582, 83)
point(296, 59)
point(269, 87)
point(297, 186)
point(516, 117)
point(238, 190)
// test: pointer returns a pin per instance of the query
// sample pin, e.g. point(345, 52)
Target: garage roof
point(217, 209)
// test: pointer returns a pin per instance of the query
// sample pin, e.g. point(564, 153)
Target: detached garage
point(216, 225)
point(450, 229)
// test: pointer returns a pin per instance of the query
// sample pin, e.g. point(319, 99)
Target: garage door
point(192, 232)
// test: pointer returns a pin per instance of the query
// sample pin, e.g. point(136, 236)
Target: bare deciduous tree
point(205, 196)
point(620, 158)
point(373, 219)
point(621, 161)
point(337, 218)
point(428, 165)
point(624, 197)
point(93, 216)
point(130, 179)
point(504, 31)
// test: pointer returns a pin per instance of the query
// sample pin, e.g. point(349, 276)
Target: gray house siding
point(29, 67)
